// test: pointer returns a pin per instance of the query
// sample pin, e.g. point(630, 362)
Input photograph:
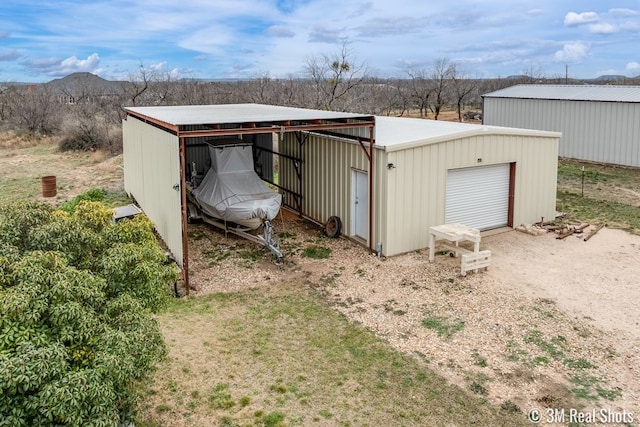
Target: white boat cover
point(232, 191)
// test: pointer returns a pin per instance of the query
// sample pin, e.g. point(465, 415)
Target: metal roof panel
point(235, 113)
point(394, 133)
point(605, 93)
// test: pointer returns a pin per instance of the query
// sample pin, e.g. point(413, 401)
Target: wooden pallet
point(475, 261)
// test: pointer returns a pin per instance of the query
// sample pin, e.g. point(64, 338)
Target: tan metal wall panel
point(417, 186)
point(151, 169)
point(411, 196)
point(327, 174)
point(606, 132)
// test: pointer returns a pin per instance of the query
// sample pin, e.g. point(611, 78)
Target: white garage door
point(478, 196)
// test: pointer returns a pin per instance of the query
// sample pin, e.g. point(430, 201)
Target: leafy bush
point(76, 293)
point(94, 195)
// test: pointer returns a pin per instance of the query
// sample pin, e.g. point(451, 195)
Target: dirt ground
point(548, 317)
point(552, 323)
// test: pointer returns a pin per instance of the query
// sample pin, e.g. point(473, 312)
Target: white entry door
point(359, 204)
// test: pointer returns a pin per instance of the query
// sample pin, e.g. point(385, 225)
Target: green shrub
point(93, 195)
point(76, 294)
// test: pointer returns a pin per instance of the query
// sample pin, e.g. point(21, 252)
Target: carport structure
point(161, 145)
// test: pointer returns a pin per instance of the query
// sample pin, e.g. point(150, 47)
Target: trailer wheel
point(333, 227)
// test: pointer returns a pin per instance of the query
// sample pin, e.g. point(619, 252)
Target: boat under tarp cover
point(232, 191)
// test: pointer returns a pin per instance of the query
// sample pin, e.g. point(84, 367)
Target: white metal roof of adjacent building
point(391, 133)
point(181, 115)
point(395, 133)
point(604, 93)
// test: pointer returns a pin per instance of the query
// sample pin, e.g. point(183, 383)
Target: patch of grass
point(594, 211)
point(248, 258)
point(220, 398)
point(216, 255)
point(589, 388)
point(540, 360)
point(325, 413)
point(477, 382)
point(312, 356)
point(287, 235)
point(274, 419)
point(555, 347)
point(510, 407)
point(442, 325)
point(12, 189)
point(514, 353)
point(478, 359)
point(316, 252)
point(578, 364)
point(478, 388)
point(163, 408)
point(610, 194)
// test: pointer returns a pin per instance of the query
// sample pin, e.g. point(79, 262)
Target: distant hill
point(610, 78)
point(83, 83)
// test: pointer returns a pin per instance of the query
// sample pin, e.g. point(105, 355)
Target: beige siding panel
point(327, 174)
point(151, 169)
point(417, 189)
point(411, 196)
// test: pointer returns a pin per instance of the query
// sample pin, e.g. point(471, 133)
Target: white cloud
point(633, 67)
point(56, 67)
point(571, 19)
point(535, 12)
point(572, 52)
point(279, 31)
point(608, 72)
point(10, 55)
point(159, 67)
point(603, 28)
point(323, 34)
point(624, 12)
point(73, 64)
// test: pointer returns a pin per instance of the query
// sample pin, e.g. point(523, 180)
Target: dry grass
point(284, 357)
point(10, 139)
point(24, 160)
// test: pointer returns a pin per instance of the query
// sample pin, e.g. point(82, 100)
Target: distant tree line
point(88, 116)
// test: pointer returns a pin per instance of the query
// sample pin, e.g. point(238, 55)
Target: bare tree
point(533, 74)
point(33, 109)
point(6, 94)
point(334, 76)
point(137, 85)
point(440, 80)
point(263, 89)
point(461, 88)
point(420, 89)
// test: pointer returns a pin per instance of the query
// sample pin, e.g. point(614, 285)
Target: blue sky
point(41, 40)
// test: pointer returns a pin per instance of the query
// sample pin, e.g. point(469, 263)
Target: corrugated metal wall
point(197, 152)
point(411, 197)
point(327, 165)
point(151, 169)
point(416, 187)
point(606, 132)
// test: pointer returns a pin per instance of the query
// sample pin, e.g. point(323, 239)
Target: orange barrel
point(49, 188)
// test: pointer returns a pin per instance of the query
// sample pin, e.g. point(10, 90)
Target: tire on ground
point(333, 227)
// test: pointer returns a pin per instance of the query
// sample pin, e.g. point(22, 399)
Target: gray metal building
point(598, 123)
